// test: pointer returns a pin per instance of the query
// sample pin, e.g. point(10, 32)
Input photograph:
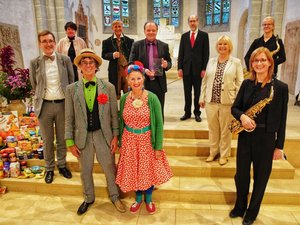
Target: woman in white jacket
point(220, 85)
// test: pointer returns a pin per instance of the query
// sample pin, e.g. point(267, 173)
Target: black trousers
point(192, 81)
point(154, 86)
point(255, 148)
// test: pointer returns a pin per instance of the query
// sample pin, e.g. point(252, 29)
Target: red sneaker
point(150, 208)
point(135, 207)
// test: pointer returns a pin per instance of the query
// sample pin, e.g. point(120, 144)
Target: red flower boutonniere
point(102, 99)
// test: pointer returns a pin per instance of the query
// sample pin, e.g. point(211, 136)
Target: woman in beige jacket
point(224, 75)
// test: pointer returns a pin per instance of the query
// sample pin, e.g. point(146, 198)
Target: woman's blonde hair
point(227, 40)
point(254, 54)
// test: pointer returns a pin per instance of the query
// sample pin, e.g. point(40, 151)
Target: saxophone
point(247, 73)
point(236, 126)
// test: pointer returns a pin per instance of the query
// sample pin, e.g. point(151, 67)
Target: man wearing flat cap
point(91, 126)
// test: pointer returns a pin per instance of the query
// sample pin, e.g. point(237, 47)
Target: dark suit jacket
point(197, 57)
point(139, 52)
point(277, 109)
point(38, 77)
point(109, 46)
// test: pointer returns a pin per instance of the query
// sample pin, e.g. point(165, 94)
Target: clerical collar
point(151, 42)
point(115, 36)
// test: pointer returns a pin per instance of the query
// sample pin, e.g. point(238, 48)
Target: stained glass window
point(116, 9)
point(217, 12)
point(168, 9)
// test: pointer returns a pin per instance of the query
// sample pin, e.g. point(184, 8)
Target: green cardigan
point(156, 120)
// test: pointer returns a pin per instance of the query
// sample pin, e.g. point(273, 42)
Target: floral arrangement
point(102, 99)
point(14, 83)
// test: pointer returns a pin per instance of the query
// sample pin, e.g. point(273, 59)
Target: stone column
point(254, 21)
point(277, 13)
point(50, 15)
point(60, 18)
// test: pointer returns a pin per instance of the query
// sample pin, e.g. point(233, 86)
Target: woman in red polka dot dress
point(142, 163)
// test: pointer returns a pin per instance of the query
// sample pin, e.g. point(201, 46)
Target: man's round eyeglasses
point(47, 42)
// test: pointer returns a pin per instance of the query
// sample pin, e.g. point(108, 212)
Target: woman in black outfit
point(266, 141)
point(271, 42)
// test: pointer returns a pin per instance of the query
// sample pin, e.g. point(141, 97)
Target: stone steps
point(205, 190)
point(194, 180)
point(192, 166)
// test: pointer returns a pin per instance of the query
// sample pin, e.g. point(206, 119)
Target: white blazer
point(231, 81)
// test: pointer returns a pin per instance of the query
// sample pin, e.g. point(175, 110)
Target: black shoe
point(49, 177)
point(65, 172)
point(84, 207)
point(234, 214)
point(198, 119)
point(185, 117)
point(247, 221)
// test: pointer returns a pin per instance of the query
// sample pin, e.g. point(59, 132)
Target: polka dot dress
point(138, 169)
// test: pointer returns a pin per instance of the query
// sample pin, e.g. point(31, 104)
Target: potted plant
point(15, 85)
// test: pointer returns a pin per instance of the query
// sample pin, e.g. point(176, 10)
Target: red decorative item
point(102, 99)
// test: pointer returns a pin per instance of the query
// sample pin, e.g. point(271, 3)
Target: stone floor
point(20, 208)
point(26, 208)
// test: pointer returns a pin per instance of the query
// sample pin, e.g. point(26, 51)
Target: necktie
point(151, 59)
point(51, 57)
point(193, 39)
point(87, 84)
point(122, 60)
point(71, 51)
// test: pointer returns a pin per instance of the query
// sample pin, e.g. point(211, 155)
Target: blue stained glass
point(208, 8)
point(156, 12)
point(208, 20)
point(217, 19)
point(168, 9)
point(166, 3)
point(226, 6)
point(166, 12)
point(175, 2)
point(157, 21)
point(225, 18)
point(156, 3)
point(217, 6)
point(175, 22)
point(116, 9)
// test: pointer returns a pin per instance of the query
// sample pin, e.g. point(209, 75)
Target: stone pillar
point(254, 21)
point(277, 13)
point(60, 18)
point(50, 16)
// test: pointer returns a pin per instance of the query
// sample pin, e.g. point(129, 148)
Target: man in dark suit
point(192, 60)
point(50, 74)
point(155, 82)
point(116, 49)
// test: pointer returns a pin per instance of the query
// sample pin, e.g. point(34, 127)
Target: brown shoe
point(119, 206)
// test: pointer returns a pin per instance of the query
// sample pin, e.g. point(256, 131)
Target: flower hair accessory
point(136, 66)
point(102, 99)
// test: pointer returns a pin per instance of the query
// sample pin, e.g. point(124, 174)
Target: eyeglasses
point(47, 42)
point(86, 63)
point(256, 61)
point(267, 24)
